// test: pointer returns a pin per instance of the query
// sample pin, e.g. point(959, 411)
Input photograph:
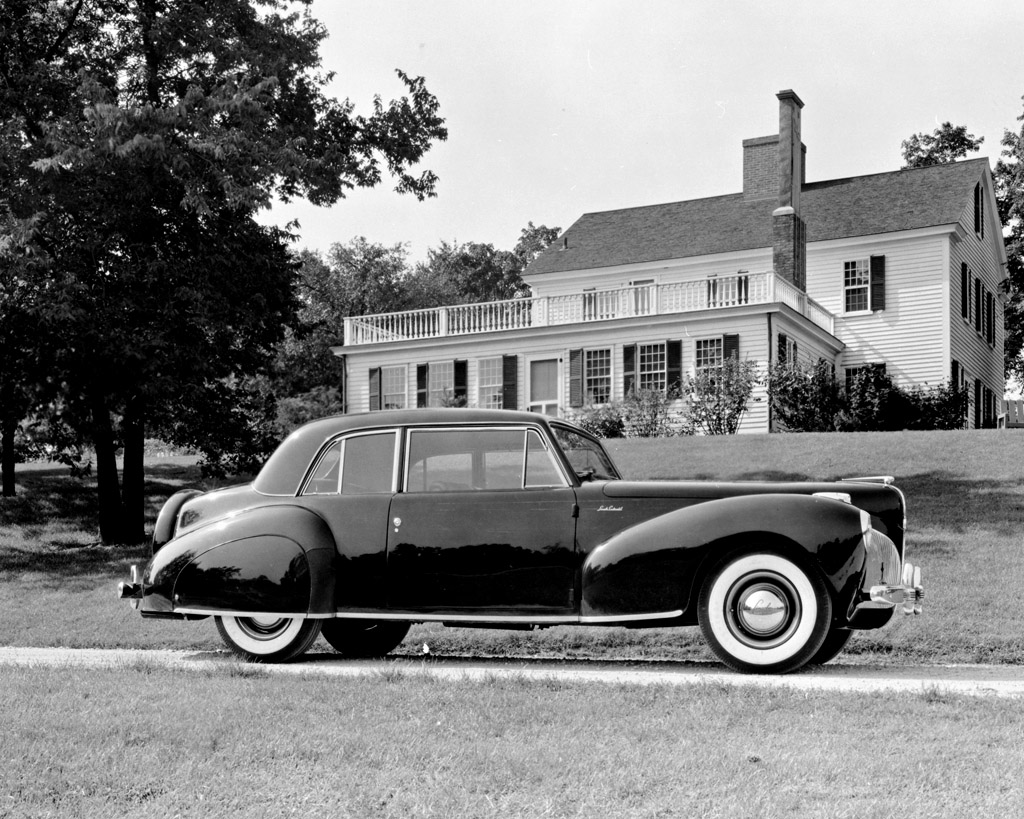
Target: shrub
point(719, 396)
point(646, 414)
point(804, 399)
point(601, 420)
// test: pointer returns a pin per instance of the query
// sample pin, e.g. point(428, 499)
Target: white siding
point(750, 324)
point(908, 335)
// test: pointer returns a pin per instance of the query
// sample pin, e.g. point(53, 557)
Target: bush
point(601, 420)
point(719, 396)
point(646, 414)
point(804, 399)
point(808, 399)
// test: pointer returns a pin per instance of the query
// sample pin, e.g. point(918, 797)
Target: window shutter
point(979, 210)
point(422, 371)
point(780, 357)
point(990, 317)
point(375, 389)
point(731, 346)
point(674, 365)
point(628, 369)
point(965, 291)
point(954, 373)
point(460, 379)
point(509, 381)
point(575, 378)
point(977, 403)
point(977, 304)
point(878, 282)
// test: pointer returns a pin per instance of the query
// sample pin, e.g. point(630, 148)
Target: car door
point(351, 486)
point(485, 524)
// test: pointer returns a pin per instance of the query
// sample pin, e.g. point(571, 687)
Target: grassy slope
point(965, 494)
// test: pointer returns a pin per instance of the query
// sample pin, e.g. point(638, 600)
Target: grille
point(884, 552)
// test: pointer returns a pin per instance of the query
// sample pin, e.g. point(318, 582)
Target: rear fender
point(658, 565)
point(270, 560)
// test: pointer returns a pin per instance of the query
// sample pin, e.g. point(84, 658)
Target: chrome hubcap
point(762, 610)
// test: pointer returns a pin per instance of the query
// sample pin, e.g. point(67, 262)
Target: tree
point(1009, 190)
point(139, 139)
point(947, 143)
point(474, 272)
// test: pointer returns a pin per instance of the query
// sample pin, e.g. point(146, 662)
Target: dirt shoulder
point(973, 680)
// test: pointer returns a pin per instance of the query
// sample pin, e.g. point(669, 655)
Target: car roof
point(286, 467)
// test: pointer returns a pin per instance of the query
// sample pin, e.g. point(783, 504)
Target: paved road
point(974, 680)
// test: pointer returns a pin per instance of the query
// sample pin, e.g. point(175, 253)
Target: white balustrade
point(717, 292)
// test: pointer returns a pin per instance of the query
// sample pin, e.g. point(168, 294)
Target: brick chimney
point(789, 233)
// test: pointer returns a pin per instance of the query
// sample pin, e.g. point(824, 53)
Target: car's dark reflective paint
point(363, 524)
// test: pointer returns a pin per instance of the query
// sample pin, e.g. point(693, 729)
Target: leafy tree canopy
point(947, 143)
point(138, 139)
point(1009, 189)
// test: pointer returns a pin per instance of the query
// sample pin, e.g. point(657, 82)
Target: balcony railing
point(716, 293)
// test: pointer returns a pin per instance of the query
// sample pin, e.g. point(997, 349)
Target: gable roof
point(835, 209)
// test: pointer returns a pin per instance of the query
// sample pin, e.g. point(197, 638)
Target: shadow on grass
point(52, 526)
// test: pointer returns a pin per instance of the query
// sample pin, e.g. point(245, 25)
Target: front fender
point(277, 559)
point(659, 564)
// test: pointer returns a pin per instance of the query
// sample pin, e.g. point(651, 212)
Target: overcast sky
point(559, 108)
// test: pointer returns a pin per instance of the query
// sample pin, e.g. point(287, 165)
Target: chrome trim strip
point(459, 618)
point(622, 618)
point(225, 613)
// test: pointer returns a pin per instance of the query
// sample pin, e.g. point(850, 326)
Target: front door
point(485, 525)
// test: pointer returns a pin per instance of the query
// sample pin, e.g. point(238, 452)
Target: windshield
point(586, 456)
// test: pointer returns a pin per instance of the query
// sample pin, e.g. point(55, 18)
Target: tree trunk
point(133, 476)
point(112, 511)
point(7, 458)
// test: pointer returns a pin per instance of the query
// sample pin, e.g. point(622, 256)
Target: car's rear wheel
point(835, 641)
point(364, 638)
point(762, 613)
point(268, 638)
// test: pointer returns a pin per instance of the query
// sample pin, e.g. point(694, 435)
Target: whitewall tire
point(761, 612)
point(268, 638)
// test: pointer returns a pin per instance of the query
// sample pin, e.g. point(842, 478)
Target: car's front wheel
point(268, 638)
point(364, 638)
point(763, 613)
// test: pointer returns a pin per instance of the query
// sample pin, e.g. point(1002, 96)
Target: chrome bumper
point(909, 593)
point(132, 590)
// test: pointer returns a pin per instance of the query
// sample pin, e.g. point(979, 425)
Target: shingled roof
point(836, 209)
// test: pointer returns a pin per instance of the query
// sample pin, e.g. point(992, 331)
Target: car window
point(357, 465)
point(586, 456)
point(369, 464)
point(452, 460)
point(541, 468)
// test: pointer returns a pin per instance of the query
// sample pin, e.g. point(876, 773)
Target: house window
point(597, 375)
point(856, 286)
point(990, 318)
point(393, 387)
point(489, 383)
point(787, 351)
point(708, 354)
point(652, 373)
point(441, 383)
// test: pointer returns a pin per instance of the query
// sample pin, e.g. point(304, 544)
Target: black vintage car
point(359, 526)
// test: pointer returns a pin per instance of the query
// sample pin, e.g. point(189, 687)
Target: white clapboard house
point(900, 268)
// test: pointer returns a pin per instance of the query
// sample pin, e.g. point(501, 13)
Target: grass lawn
point(240, 742)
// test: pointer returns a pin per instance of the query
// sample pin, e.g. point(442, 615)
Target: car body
point(361, 525)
